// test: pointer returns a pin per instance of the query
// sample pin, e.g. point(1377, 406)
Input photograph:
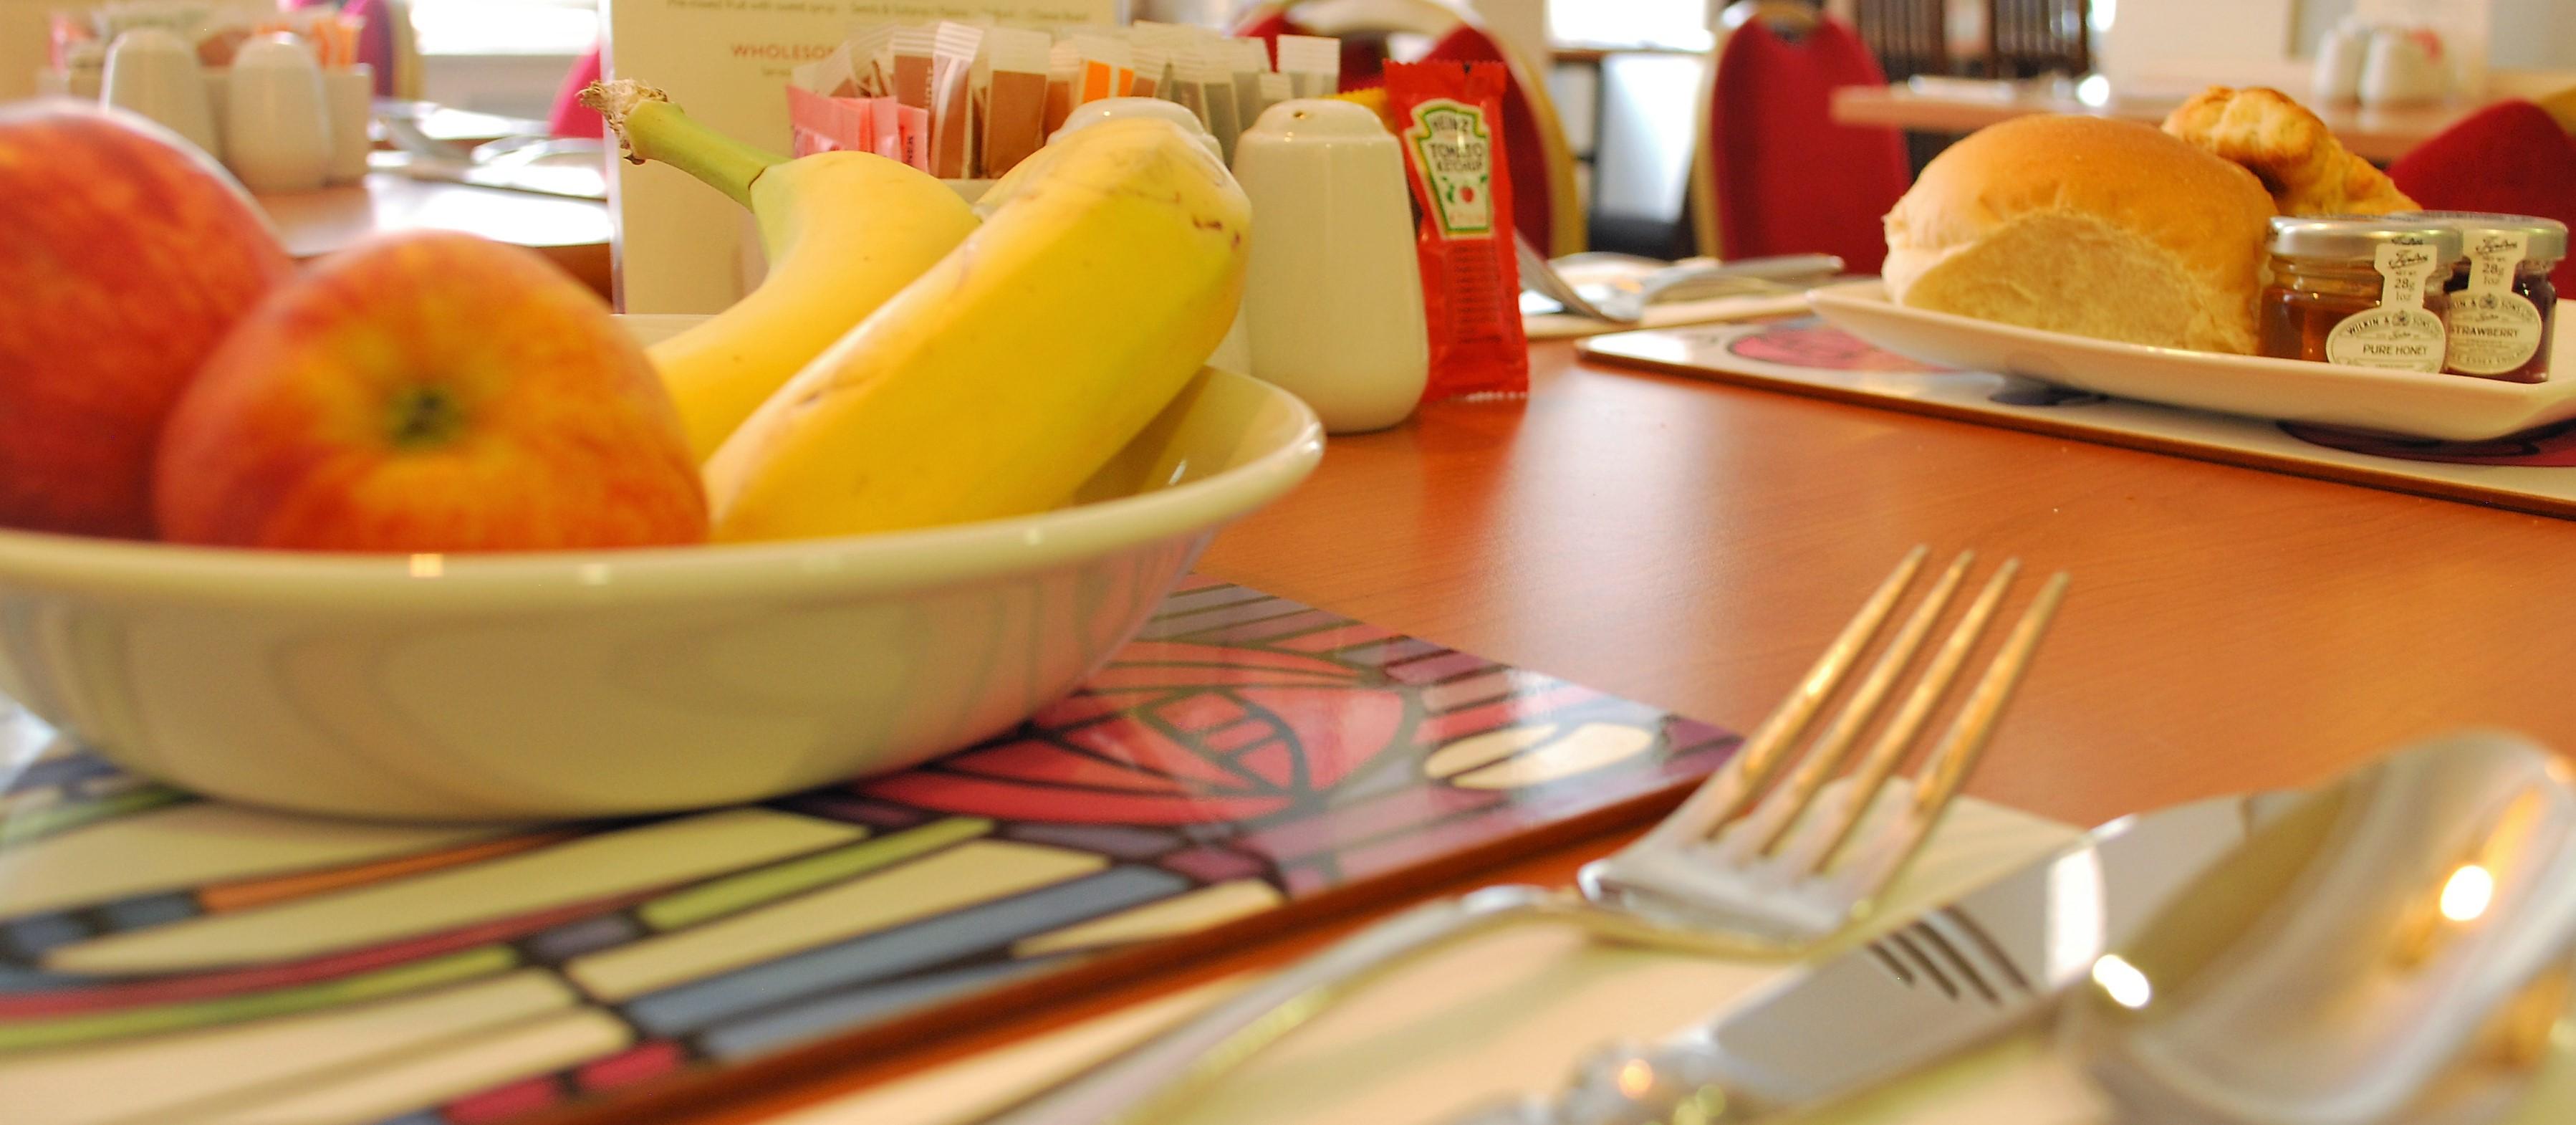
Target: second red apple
point(429, 392)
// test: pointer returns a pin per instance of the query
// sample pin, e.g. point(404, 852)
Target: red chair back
point(2512, 158)
point(1533, 182)
point(570, 118)
point(1787, 179)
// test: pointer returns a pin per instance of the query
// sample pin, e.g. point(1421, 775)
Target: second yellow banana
point(844, 231)
point(1001, 379)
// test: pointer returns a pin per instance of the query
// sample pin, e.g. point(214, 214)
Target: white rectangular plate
point(2448, 407)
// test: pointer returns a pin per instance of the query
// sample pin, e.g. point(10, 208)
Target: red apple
point(125, 255)
point(429, 392)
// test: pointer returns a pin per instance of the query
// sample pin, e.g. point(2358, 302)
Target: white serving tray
point(2448, 407)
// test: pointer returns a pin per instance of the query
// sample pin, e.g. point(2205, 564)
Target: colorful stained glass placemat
point(1808, 356)
point(1245, 762)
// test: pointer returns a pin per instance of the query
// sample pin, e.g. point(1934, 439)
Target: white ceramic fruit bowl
point(587, 684)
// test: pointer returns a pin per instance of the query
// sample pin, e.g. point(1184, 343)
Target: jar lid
point(2359, 236)
point(2547, 237)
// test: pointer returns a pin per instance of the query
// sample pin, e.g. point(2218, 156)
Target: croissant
point(2298, 159)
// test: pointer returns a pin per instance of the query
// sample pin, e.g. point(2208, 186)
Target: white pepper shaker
point(277, 129)
point(1333, 294)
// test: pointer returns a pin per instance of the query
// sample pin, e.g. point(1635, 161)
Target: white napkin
point(1508, 1014)
point(1613, 270)
point(1515, 1012)
point(1559, 326)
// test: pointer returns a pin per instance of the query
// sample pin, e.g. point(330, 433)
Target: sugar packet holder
point(1451, 118)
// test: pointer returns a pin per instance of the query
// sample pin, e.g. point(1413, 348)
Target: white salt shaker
point(2401, 70)
point(2339, 63)
point(151, 72)
point(1334, 291)
point(277, 128)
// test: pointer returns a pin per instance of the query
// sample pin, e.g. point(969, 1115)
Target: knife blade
point(1957, 976)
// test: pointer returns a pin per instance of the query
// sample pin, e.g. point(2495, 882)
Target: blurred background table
point(1965, 106)
point(573, 233)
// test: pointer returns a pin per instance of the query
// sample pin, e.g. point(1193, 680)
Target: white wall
point(510, 85)
point(2527, 34)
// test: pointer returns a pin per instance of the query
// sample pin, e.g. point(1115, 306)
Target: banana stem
point(651, 128)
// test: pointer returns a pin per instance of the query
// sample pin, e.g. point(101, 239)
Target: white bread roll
point(2087, 226)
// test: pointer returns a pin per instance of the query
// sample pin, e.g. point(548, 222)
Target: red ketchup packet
point(1452, 118)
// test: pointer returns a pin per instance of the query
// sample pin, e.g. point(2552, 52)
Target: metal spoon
point(2394, 948)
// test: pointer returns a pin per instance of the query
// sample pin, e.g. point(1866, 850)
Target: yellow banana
point(844, 231)
point(1107, 269)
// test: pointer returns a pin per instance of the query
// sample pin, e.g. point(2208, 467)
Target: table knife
point(1954, 978)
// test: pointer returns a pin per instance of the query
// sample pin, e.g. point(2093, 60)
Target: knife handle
point(1160, 1072)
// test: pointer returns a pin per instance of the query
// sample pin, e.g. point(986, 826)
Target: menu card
point(681, 247)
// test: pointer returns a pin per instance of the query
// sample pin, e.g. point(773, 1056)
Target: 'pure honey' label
point(2401, 334)
point(2494, 330)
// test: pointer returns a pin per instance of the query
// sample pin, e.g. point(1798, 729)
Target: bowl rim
point(877, 561)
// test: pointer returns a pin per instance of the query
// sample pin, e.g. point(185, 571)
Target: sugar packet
point(1313, 65)
point(912, 48)
point(1064, 82)
point(954, 47)
point(1016, 97)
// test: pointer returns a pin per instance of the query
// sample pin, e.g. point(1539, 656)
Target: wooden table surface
point(1693, 545)
point(1961, 107)
point(573, 233)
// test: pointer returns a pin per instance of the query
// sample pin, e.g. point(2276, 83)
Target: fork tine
point(1771, 820)
point(1724, 794)
point(1965, 742)
point(1963, 745)
point(1893, 742)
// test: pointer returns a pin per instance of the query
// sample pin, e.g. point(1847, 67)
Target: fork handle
point(1152, 1076)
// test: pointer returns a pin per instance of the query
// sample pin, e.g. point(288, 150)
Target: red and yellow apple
point(429, 392)
point(125, 256)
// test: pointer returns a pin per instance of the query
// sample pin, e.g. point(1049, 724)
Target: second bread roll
point(2087, 226)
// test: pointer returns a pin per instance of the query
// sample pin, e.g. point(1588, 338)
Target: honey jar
point(2361, 291)
point(2503, 307)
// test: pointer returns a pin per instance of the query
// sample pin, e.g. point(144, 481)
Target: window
point(505, 27)
point(1681, 25)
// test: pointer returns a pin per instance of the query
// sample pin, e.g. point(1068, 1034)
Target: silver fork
point(1724, 874)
